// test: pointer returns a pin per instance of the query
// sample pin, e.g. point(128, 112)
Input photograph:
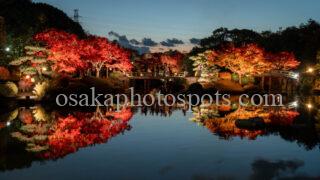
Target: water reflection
point(294, 123)
point(35, 134)
point(38, 133)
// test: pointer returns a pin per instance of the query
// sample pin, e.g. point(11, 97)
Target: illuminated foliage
point(34, 61)
point(206, 70)
point(245, 60)
point(173, 61)
point(70, 54)
point(249, 59)
point(99, 52)
point(226, 126)
point(4, 73)
point(56, 138)
point(283, 61)
point(64, 50)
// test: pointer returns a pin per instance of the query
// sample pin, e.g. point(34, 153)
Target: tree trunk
point(98, 72)
point(240, 78)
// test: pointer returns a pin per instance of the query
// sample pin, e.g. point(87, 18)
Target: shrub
point(40, 89)
point(235, 77)
point(4, 73)
point(245, 80)
point(9, 89)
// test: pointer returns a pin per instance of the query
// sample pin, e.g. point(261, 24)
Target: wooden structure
point(279, 81)
point(147, 80)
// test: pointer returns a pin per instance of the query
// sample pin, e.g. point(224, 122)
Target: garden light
point(294, 104)
point(309, 106)
point(295, 76)
point(310, 70)
point(7, 49)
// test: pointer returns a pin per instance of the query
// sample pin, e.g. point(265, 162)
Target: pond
point(39, 142)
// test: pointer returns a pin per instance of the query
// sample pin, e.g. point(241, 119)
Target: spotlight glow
point(309, 106)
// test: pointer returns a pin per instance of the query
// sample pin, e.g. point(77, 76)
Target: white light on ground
point(33, 80)
point(44, 69)
point(7, 49)
point(27, 76)
point(8, 123)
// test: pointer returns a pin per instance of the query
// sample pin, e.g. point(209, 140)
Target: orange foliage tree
point(283, 61)
point(250, 59)
point(245, 60)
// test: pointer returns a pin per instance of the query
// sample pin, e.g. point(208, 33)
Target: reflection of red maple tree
point(77, 131)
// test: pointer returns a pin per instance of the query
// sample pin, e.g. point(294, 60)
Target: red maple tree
point(64, 50)
point(173, 61)
point(99, 52)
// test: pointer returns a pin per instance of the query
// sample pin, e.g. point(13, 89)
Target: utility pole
point(76, 15)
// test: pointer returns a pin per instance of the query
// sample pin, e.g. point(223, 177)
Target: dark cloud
point(148, 42)
point(135, 42)
point(194, 41)
point(120, 38)
point(171, 42)
point(145, 44)
point(124, 42)
point(112, 33)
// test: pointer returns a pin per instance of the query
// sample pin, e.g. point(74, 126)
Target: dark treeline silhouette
point(23, 19)
point(303, 41)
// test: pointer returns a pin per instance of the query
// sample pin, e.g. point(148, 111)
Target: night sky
point(184, 19)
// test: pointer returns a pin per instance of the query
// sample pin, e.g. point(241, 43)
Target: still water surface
point(161, 143)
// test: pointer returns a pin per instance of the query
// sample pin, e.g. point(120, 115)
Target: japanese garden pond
point(40, 142)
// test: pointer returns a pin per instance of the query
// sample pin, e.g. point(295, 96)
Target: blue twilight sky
point(184, 19)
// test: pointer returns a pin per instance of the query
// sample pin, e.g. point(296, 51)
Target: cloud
point(148, 45)
point(112, 33)
point(195, 41)
point(132, 44)
point(135, 42)
point(171, 42)
point(148, 42)
point(120, 38)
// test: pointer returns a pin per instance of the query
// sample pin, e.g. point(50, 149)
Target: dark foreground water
point(161, 143)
